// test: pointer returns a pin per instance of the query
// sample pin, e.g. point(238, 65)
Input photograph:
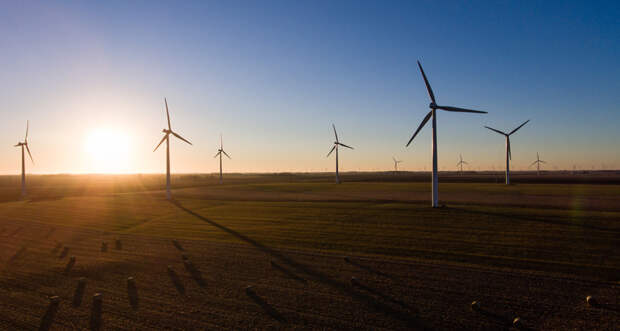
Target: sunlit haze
point(273, 76)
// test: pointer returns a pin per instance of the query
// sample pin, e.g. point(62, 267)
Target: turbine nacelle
point(433, 105)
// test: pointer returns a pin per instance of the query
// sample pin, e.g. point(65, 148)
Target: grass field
point(534, 250)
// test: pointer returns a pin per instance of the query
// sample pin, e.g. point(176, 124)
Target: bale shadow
point(49, 233)
point(178, 245)
point(18, 230)
point(132, 293)
point(64, 252)
point(48, 318)
point(20, 252)
point(70, 265)
point(288, 273)
point(119, 244)
point(79, 292)
point(405, 317)
point(266, 306)
point(104, 247)
point(176, 280)
point(95, 314)
point(195, 273)
point(56, 248)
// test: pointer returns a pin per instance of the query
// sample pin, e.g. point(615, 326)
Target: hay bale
point(591, 301)
point(54, 300)
point(517, 323)
point(70, 264)
point(475, 306)
point(354, 281)
point(119, 244)
point(104, 247)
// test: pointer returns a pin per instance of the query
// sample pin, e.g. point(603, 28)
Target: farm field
point(534, 250)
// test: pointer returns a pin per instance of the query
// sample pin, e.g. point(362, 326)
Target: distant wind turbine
point(396, 162)
point(433, 113)
point(219, 153)
point(22, 145)
point(336, 144)
point(167, 139)
point(461, 162)
point(537, 163)
point(508, 153)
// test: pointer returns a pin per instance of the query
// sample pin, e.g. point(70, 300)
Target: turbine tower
point(22, 145)
point(336, 144)
point(508, 153)
point(167, 139)
point(433, 113)
point(219, 153)
point(460, 163)
point(538, 162)
point(396, 162)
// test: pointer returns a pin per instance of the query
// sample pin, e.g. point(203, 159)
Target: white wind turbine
point(433, 113)
point(396, 162)
point(336, 144)
point(508, 153)
point(22, 145)
point(219, 153)
point(167, 139)
point(538, 162)
point(460, 163)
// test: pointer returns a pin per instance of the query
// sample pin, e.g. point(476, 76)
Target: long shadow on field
point(370, 269)
point(345, 288)
point(534, 219)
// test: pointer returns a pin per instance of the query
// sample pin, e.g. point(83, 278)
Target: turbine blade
point(161, 141)
point(515, 130)
point(426, 118)
point(216, 154)
point(335, 134)
point(465, 162)
point(541, 161)
point(500, 132)
point(331, 150)
point(221, 142)
point(226, 154)
point(428, 85)
point(461, 110)
point(533, 163)
point(28, 149)
point(343, 145)
point(27, 125)
point(178, 136)
point(167, 114)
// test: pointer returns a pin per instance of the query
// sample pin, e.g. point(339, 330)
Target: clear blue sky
point(273, 76)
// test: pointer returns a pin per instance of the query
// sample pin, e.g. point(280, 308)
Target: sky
point(272, 77)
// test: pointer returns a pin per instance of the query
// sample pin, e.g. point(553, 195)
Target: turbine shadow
point(48, 318)
point(321, 277)
point(287, 272)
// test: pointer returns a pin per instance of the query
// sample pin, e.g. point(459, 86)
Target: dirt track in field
point(302, 290)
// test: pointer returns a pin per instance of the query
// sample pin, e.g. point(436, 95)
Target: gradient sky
point(273, 75)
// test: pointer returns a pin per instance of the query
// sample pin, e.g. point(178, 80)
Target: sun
point(108, 150)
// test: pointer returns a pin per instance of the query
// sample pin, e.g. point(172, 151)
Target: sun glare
point(108, 150)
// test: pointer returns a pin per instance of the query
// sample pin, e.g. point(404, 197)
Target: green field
point(513, 247)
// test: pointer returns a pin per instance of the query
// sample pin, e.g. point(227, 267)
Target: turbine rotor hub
point(432, 105)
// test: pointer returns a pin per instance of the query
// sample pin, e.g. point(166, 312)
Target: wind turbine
point(167, 139)
point(461, 162)
point(396, 162)
point(220, 152)
point(22, 145)
point(508, 154)
point(538, 162)
point(433, 113)
point(336, 144)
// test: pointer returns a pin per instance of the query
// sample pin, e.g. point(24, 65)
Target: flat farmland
point(534, 250)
